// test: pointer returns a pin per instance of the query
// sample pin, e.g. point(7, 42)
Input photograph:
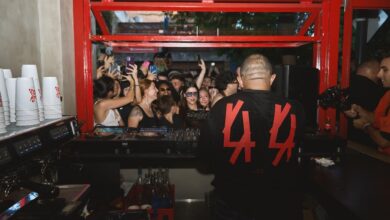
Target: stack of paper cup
point(7, 73)
point(30, 70)
point(51, 98)
point(26, 103)
point(2, 120)
point(4, 95)
point(11, 89)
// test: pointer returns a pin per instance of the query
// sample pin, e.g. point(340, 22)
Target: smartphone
point(130, 61)
point(113, 67)
point(153, 69)
point(199, 58)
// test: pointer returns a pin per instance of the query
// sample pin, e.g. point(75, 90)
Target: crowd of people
point(152, 95)
point(248, 138)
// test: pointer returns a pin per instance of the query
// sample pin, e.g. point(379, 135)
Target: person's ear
point(239, 79)
point(273, 76)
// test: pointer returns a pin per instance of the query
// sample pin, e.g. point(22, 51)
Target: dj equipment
point(148, 142)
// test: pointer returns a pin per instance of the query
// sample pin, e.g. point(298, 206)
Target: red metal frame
point(310, 20)
point(325, 39)
point(83, 63)
point(204, 45)
point(347, 44)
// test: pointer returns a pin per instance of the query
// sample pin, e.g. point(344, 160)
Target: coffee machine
point(29, 160)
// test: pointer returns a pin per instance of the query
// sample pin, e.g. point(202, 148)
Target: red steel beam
point(205, 7)
point(370, 4)
point(203, 38)
point(205, 45)
point(329, 53)
point(333, 52)
point(100, 20)
point(83, 63)
point(346, 61)
point(322, 59)
point(308, 23)
point(329, 56)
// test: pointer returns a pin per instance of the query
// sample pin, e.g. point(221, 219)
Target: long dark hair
point(102, 86)
point(183, 101)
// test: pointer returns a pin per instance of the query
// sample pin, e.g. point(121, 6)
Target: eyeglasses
point(165, 89)
point(189, 94)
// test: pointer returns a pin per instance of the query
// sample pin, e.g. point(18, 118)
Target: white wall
point(40, 32)
point(19, 35)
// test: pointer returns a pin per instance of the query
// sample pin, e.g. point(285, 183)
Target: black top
point(250, 142)
point(147, 122)
point(194, 119)
point(124, 111)
point(178, 122)
point(365, 92)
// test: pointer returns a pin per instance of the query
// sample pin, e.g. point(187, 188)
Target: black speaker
point(299, 83)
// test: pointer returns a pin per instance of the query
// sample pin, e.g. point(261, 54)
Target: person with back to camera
point(105, 112)
point(143, 115)
point(249, 140)
point(377, 124)
point(227, 85)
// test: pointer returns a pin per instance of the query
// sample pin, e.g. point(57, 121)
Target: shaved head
point(369, 69)
point(256, 66)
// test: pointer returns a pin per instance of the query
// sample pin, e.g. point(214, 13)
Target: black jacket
point(257, 168)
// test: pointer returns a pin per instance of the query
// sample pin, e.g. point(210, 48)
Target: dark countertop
point(358, 188)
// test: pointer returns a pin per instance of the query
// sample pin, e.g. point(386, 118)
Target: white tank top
point(112, 119)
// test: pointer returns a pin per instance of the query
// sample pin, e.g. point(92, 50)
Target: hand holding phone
point(198, 57)
point(130, 61)
point(153, 69)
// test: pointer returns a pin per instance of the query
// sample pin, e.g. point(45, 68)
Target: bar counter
point(358, 187)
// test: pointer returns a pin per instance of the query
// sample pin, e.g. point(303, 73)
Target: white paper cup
point(52, 113)
point(26, 98)
point(7, 73)
point(27, 123)
point(26, 117)
point(56, 116)
point(51, 91)
point(30, 70)
point(38, 90)
point(11, 88)
point(27, 114)
point(3, 88)
point(23, 112)
point(52, 109)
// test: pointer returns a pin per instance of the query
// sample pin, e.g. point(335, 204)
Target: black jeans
point(224, 211)
point(257, 210)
